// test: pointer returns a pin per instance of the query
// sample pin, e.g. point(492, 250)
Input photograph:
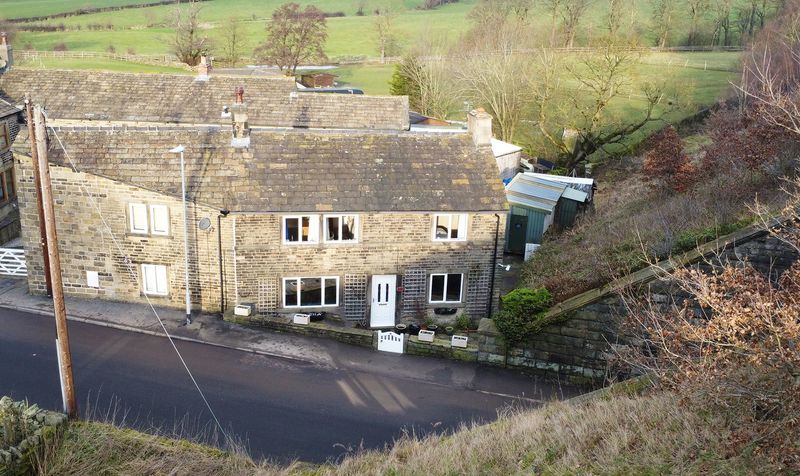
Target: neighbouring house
point(417, 119)
point(318, 80)
point(10, 120)
point(539, 201)
point(345, 211)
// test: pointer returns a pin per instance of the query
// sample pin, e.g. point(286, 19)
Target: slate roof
point(293, 170)
point(171, 98)
point(7, 109)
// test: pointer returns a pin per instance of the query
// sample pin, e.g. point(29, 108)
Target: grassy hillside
point(612, 435)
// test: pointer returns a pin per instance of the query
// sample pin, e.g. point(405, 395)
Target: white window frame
point(153, 209)
point(131, 226)
point(313, 232)
point(462, 230)
point(157, 268)
point(322, 297)
point(356, 225)
point(444, 290)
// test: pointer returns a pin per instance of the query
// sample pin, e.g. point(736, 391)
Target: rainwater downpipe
point(494, 265)
point(222, 214)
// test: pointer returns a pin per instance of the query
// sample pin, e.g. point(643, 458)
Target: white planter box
point(426, 336)
point(302, 318)
point(459, 341)
point(244, 310)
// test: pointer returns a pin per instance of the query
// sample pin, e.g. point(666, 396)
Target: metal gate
point(390, 342)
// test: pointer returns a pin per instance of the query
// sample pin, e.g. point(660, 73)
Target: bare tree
point(385, 37)
point(722, 22)
point(425, 75)
point(189, 44)
point(497, 76)
point(232, 40)
point(572, 13)
point(697, 10)
point(294, 36)
point(579, 123)
point(664, 17)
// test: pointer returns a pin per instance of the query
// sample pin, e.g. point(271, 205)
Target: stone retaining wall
point(36, 425)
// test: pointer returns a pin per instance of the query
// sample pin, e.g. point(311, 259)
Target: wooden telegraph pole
point(37, 184)
point(49, 223)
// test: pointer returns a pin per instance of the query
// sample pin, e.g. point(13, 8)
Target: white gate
point(12, 262)
point(390, 342)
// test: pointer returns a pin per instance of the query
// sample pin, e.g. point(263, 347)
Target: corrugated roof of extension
point(182, 99)
point(578, 183)
point(532, 191)
point(286, 170)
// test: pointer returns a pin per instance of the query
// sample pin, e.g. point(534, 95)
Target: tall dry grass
point(618, 435)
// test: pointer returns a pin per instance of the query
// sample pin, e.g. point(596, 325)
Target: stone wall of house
point(86, 244)
point(388, 244)
point(579, 347)
point(9, 217)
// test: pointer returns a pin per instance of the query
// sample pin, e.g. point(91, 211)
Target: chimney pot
point(204, 68)
point(240, 95)
point(3, 38)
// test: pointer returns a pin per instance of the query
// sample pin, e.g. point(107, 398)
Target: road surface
point(283, 409)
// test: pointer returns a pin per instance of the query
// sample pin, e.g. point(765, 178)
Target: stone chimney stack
point(241, 129)
point(6, 56)
point(204, 68)
point(479, 124)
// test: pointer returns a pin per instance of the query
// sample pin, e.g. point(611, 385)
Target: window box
point(450, 227)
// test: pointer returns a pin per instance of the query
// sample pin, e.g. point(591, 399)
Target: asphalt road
point(283, 409)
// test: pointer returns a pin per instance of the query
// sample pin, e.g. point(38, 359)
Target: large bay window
point(446, 288)
point(450, 227)
point(311, 292)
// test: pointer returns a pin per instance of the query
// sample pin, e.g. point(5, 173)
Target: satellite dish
point(204, 224)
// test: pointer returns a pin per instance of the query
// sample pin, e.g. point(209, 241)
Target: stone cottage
point(10, 120)
point(297, 201)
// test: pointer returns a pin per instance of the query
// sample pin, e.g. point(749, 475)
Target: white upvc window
point(450, 227)
point(311, 292)
point(138, 218)
point(159, 219)
point(446, 288)
point(154, 280)
point(340, 228)
point(299, 229)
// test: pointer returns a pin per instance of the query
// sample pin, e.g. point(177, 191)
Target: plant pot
point(413, 329)
point(449, 330)
point(433, 327)
point(400, 328)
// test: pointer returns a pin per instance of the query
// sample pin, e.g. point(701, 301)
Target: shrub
point(463, 322)
point(60, 47)
point(520, 314)
point(666, 166)
point(111, 49)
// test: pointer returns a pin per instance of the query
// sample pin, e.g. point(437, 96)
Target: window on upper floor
point(7, 191)
point(341, 228)
point(144, 219)
point(450, 227)
point(5, 136)
point(154, 280)
point(300, 229)
point(311, 292)
point(446, 288)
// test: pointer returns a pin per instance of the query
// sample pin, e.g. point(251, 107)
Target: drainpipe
point(494, 265)
point(222, 213)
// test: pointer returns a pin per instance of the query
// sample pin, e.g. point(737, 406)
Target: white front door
point(384, 292)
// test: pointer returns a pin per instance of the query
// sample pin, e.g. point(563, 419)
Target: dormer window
point(450, 227)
